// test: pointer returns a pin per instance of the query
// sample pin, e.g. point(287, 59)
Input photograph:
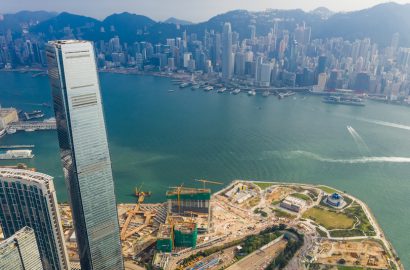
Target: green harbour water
point(163, 139)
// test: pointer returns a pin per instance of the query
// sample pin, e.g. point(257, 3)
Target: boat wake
point(305, 154)
point(363, 148)
point(384, 123)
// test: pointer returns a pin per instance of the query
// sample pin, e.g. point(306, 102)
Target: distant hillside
point(379, 23)
point(177, 21)
point(15, 21)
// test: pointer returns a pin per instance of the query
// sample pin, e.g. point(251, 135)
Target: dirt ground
point(365, 253)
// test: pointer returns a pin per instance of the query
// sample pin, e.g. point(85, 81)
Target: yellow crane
point(178, 190)
point(209, 182)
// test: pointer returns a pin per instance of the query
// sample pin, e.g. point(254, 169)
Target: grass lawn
point(350, 268)
point(263, 186)
point(279, 213)
point(328, 189)
point(301, 196)
point(328, 219)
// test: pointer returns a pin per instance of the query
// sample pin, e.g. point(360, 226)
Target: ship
point(34, 115)
point(236, 91)
point(183, 85)
point(353, 101)
point(11, 130)
point(252, 92)
point(16, 154)
point(287, 94)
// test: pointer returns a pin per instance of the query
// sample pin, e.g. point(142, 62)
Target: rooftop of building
point(9, 243)
point(6, 111)
point(294, 200)
point(27, 175)
point(164, 231)
point(185, 227)
point(67, 41)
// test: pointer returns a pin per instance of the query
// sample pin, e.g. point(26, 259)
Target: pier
point(33, 125)
point(16, 146)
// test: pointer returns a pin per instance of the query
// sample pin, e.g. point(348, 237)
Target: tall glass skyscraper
point(84, 152)
point(227, 57)
point(29, 199)
point(20, 252)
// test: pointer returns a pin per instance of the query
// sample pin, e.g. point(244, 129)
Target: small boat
point(170, 90)
point(266, 93)
point(11, 130)
point(236, 91)
point(30, 130)
point(195, 87)
point(183, 85)
point(252, 92)
point(208, 88)
point(221, 90)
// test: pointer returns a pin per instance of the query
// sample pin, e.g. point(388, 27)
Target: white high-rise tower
point(227, 56)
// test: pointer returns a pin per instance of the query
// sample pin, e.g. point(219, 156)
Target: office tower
point(84, 153)
point(28, 198)
point(227, 59)
point(395, 41)
point(20, 252)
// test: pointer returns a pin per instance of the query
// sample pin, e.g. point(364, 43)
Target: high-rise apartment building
point(29, 199)
point(20, 252)
point(84, 152)
point(227, 56)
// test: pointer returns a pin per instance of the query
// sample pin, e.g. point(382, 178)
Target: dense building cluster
point(281, 58)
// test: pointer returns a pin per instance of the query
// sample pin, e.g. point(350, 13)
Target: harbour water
point(163, 139)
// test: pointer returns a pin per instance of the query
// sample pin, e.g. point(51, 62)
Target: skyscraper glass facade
point(84, 152)
point(29, 199)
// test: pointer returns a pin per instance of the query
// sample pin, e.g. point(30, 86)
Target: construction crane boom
point(209, 182)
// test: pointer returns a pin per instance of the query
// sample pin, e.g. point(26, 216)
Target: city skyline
point(199, 11)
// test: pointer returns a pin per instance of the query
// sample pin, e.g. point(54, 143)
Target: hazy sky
point(193, 10)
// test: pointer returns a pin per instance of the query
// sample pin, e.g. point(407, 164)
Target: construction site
point(195, 229)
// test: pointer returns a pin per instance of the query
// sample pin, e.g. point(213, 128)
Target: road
point(260, 258)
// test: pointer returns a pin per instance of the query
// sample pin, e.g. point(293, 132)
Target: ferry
point(11, 130)
point(208, 88)
point(183, 85)
point(221, 90)
point(252, 92)
point(353, 101)
point(34, 115)
point(266, 93)
point(287, 94)
point(236, 91)
point(16, 154)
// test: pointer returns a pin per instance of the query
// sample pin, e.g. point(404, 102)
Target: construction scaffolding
point(185, 234)
point(165, 238)
point(182, 200)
